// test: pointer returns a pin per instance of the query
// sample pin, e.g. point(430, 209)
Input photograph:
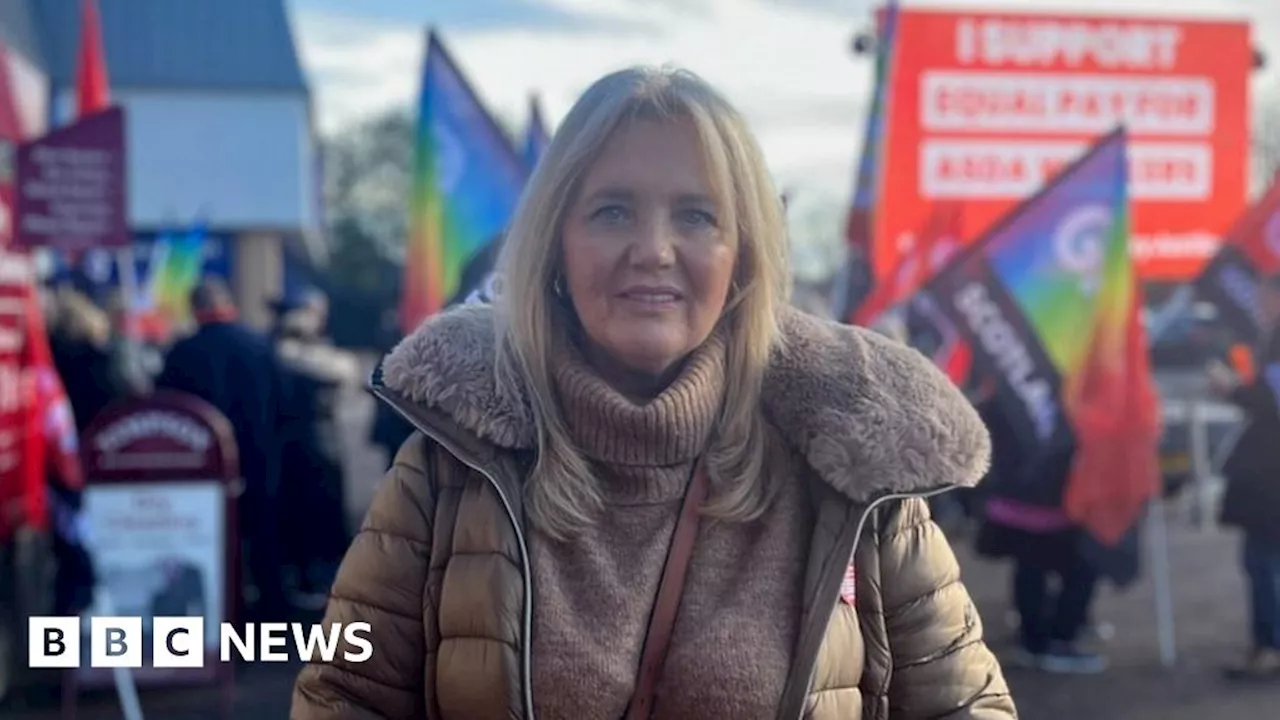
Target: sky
point(787, 64)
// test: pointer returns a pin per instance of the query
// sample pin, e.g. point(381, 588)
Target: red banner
point(985, 107)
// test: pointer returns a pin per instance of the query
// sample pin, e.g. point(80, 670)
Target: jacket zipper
point(853, 551)
point(526, 653)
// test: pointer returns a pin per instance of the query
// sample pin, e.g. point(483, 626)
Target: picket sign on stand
point(162, 481)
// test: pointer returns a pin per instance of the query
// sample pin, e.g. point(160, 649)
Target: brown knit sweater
point(738, 619)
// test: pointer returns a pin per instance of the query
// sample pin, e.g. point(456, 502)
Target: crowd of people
point(279, 390)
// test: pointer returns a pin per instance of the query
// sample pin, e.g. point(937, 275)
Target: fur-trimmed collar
point(868, 414)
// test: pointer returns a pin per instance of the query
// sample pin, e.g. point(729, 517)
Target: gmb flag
point(1049, 304)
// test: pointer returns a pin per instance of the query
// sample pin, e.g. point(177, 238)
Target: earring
point(557, 286)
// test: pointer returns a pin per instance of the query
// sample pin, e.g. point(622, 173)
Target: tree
point(367, 175)
point(368, 171)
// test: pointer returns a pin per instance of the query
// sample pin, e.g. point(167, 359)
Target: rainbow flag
point(467, 179)
point(1051, 305)
point(176, 267)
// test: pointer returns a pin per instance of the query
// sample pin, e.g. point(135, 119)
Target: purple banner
point(72, 186)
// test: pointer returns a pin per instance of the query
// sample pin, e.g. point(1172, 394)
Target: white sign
point(1067, 104)
point(1013, 169)
point(160, 550)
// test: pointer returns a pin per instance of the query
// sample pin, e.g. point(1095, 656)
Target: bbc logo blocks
point(115, 642)
point(176, 642)
point(53, 642)
point(189, 642)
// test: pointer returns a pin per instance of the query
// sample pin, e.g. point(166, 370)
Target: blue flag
point(535, 136)
point(467, 180)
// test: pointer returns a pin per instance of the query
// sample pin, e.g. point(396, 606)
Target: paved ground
point(1210, 620)
point(1207, 602)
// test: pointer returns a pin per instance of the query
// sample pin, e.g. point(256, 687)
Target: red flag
point(37, 431)
point(956, 360)
point(11, 135)
point(938, 239)
point(1257, 233)
point(92, 89)
point(1116, 469)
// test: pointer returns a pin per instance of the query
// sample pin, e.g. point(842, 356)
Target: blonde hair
point(77, 317)
point(561, 493)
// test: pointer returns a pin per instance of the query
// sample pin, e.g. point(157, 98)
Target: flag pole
point(125, 263)
point(1162, 582)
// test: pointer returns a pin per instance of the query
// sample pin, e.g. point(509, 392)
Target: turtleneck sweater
point(739, 614)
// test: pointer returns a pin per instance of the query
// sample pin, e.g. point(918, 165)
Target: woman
point(530, 554)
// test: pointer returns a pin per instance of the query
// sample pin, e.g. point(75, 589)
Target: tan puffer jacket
point(440, 569)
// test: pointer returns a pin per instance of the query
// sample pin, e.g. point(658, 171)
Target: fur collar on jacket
point(868, 414)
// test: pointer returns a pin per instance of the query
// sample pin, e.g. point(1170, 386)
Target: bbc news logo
point(179, 642)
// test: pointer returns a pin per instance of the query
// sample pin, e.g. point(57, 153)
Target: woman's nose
point(654, 244)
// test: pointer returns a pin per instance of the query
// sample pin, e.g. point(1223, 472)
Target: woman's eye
point(610, 215)
point(697, 218)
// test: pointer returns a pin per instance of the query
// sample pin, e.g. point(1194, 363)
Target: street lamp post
point(863, 43)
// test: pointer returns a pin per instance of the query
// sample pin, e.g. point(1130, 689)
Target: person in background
point(313, 491)
point(79, 335)
point(643, 485)
point(236, 370)
point(1044, 545)
point(1252, 500)
point(479, 284)
point(131, 363)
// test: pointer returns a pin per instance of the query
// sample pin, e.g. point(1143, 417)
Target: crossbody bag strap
point(667, 602)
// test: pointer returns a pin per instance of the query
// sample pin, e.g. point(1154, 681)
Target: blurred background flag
point(179, 259)
point(92, 88)
point(467, 178)
point(929, 251)
point(859, 226)
point(535, 134)
point(1250, 252)
point(1050, 304)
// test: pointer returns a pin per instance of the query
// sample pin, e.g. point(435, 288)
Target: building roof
point(205, 44)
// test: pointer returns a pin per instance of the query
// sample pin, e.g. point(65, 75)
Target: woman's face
point(648, 259)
